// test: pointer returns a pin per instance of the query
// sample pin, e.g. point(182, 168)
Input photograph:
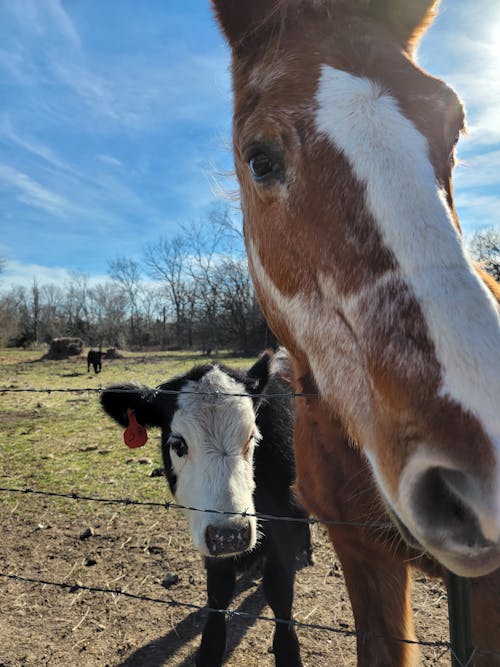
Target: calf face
point(209, 431)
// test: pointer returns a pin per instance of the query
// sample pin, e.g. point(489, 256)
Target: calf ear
point(408, 19)
point(240, 19)
point(258, 375)
point(145, 403)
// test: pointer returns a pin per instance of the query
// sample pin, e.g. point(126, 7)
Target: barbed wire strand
point(231, 613)
point(169, 505)
point(73, 587)
point(154, 390)
point(173, 505)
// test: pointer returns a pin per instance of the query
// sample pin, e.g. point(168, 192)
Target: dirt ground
point(136, 550)
point(60, 442)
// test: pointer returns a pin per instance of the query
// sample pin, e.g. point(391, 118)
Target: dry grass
point(62, 442)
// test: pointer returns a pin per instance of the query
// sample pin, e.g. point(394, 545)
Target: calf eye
point(178, 445)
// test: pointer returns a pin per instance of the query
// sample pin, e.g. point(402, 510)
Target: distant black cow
point(225, 450)
point(94, 358)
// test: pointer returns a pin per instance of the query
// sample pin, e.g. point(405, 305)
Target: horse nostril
point(442, 498)
point(225, 540)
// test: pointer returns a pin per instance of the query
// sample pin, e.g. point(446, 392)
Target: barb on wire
point(72, 588)
point(168, 392)
point(172, 505)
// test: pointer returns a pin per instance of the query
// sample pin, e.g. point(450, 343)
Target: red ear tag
point(135, 435)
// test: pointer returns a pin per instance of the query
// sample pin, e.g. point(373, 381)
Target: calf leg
point(221, 579)
point(279, 578)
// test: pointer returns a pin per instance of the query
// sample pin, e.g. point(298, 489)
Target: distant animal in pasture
point(344, 151)
point(227, 445)
point(94, 358)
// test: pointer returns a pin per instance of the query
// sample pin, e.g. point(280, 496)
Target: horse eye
point(178, 445)
point(262, 166)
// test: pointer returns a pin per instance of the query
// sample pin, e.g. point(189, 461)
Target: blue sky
point(115, 124)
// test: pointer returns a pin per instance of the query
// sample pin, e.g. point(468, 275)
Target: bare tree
point(167, 262)
point(52, 320)
point(237, 299)
point(485, 248)
point(127, 274)
point(76, 306)
point(9, 318)
point(211, 241)
point(222, 217)
point(35, 305)
point(107, 304)
point(205, 240)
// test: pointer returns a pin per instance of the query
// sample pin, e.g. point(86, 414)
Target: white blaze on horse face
point(391, 158)
point(217, 473)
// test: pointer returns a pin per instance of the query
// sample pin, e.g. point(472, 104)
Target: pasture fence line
point(457, 658)
point(150, 390)
point(176, 506)
point(461, 647)
point(234, 613)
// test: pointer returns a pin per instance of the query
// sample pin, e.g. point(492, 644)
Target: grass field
point(60, 441)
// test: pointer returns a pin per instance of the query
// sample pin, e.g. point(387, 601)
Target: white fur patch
point(391, 158)
point(331, 350)
point(215, 474)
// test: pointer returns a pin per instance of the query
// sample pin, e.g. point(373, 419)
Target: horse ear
point(408, 19)
point(239, 18)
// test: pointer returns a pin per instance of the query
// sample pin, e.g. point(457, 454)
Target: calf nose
point(227, 540)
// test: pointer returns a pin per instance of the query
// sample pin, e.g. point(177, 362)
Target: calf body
point(227, 446)
point(94, 358)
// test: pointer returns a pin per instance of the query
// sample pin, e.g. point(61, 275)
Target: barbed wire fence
point(462, 653)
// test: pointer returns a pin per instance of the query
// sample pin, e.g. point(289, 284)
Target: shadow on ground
point(159, 653)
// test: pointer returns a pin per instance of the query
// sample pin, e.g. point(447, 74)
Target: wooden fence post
point(460, 621)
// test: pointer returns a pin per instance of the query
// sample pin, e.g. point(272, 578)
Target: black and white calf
point(227, 445)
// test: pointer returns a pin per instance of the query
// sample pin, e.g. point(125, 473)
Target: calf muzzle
point(228, 540)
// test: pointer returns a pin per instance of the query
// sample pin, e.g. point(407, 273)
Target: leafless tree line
point(190, 291)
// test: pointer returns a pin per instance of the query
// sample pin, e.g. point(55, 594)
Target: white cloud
point(17, 62)
point(137, 92)
point(60, 17)
point(463, 48)
point(466, 56)
point(109, 159)
point(9, 134)
point(17, 273)
point(42, 17)
point(477, 210)
point(31, 192)
point(478, 170)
